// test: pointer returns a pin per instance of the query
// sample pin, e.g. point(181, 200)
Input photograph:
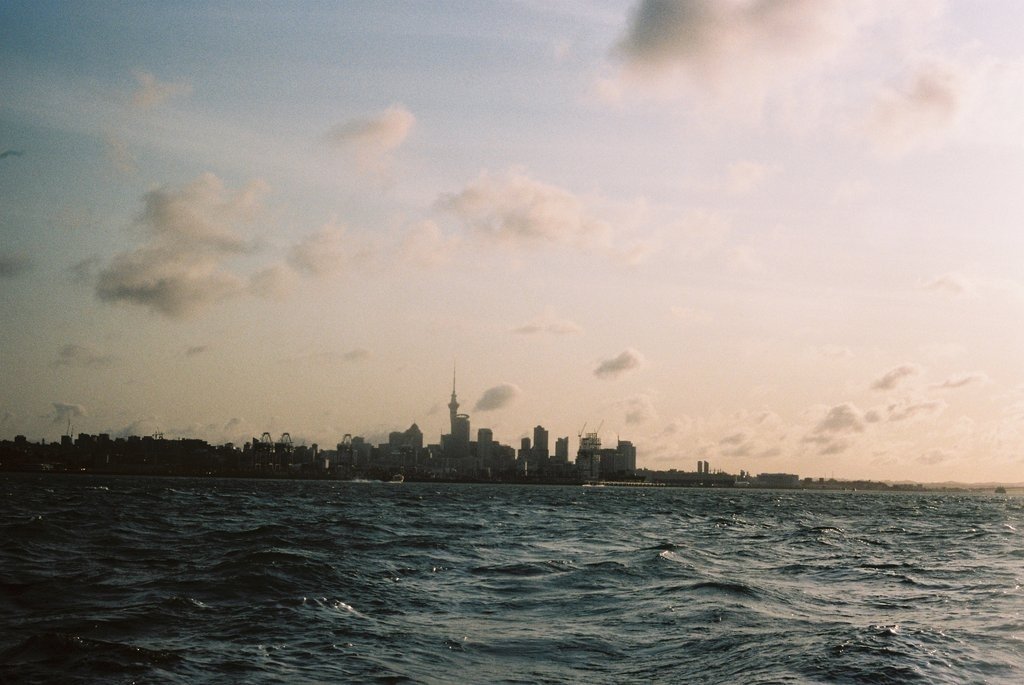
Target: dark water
point(119, 580)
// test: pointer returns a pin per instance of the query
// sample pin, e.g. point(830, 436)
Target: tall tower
point(453, 406)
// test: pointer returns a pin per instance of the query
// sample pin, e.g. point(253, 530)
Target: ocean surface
point(171, 580)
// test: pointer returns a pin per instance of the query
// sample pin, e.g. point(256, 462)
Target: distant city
point(456, 457)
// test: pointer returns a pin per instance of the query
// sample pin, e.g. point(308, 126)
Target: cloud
point(627, 360)
point(425, 245)
point(371, 139)
point(639, 409)
point(195, 350)
point(734, 439)
point(961, 380)
point(328, 252)
point(890, 379)
point(951, 284)
point(119, 155)
point(82, 357)
point(908, 410)
point(843, 418)
point(834, 351)
point(11, 153)
point(497, 397)
point(84, 271)
point(273, 282)
point(548, 324)
point(14, 264)
point(191, 231)
point(152, 92)
point(63, 412)
point(917, 112)
point(514, 209)
point(933, 457)
point(357, 355)
point(712, 41)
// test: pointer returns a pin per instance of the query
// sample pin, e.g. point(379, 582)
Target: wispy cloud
point(639, 409)
point(11, 153)
point(961, 380)
point(951, 284)
point(550, 324)
point(119, 155)
point(152, 92)
point(195, 350)
point(497, 397)
point(14, 264)
point(901, 411)
point(424, 244)
point(356, 355)
point(82, 357)
point(627, 360)
point(64, 412)
point(890, 379)
point(371, 139)
point(517, 210)
point(327, 252)
point(918, 111)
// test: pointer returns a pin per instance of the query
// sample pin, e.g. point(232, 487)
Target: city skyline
point(781, 236)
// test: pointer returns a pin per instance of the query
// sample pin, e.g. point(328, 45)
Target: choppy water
point(118, 580)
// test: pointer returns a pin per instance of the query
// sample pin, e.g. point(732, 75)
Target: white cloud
point(191, 232)
point(82, 357)
point(152, 92)
point(517, 210)
point(371, 139)
point(890, 379)
point(627, 360)
point(497, 397)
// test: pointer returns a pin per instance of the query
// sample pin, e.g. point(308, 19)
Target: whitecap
point(338, 604)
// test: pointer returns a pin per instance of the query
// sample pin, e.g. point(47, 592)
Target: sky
point(776, 235)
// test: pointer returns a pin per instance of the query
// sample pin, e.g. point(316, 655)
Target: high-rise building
point(484, 446)
point(540, 442)
point(562, 450)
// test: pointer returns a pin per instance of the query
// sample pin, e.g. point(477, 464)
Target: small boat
point(397, 478)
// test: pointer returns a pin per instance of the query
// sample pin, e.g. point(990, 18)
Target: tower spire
point(453, 406)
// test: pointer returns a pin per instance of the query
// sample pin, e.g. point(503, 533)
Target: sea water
point(169, 580)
